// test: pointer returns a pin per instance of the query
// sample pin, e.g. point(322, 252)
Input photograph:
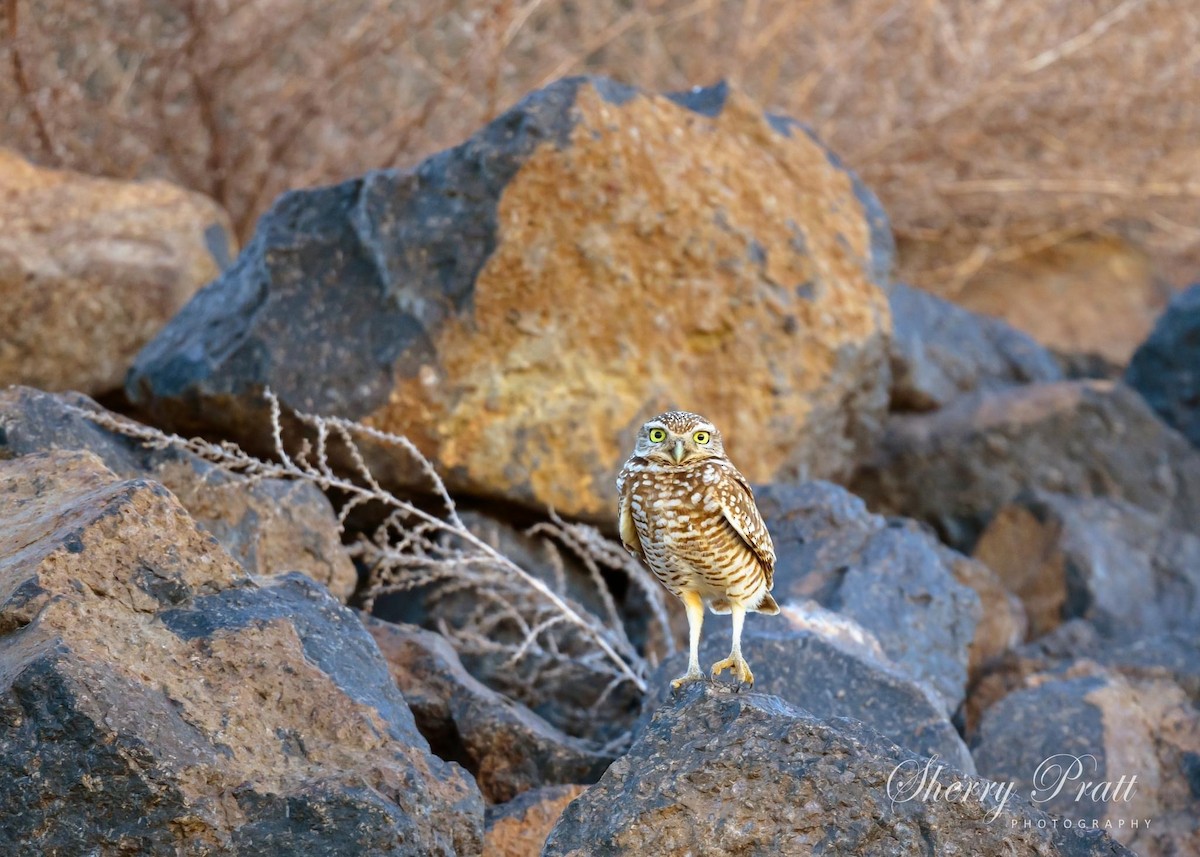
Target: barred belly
point(690, 546)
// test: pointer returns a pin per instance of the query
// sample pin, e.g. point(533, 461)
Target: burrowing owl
point(688, 514)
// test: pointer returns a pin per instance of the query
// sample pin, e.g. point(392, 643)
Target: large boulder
point(956, 467)
point(891, 578)
point(829, 680)
point(939, 351)
point(268, 525)
point(1102, 751)
point(154, 699)
point(507, 747)
point(517, 305)
point(721, 773)
point(91, 268)
point(1166, 367)
point(1108, 561)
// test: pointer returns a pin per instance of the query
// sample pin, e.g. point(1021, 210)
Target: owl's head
point(677, 438)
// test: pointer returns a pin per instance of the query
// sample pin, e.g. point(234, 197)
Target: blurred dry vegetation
point(990, 128)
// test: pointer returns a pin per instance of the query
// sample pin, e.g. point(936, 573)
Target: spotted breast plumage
point(690, 516)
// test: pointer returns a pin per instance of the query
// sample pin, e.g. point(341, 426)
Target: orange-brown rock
point(519, 304)
point(91, 268)
point(519, 828)
point(155, 699)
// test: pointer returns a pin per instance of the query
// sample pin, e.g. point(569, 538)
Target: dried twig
point(512, 612)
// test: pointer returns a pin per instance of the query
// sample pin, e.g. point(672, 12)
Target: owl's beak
point(678, 451)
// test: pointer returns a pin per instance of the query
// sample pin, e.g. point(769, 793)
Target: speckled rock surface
point(1166, 367)
point(956, 467)
point(156, 700)
point(518, 305)
point(507, 747)
point(269, 526)
point(889, 576)
point(1105, 560)
point(721, 773)
point(827, 680)
point(519, 828)
point(1128, 751)
point(91, 268)
point(939, 351)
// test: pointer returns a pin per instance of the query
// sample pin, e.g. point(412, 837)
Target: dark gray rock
point(507, 747)
point(154, 699)
point(721, 773)
point(1102, 750)
point(956, 467)
point(267, 525)
point(888, 576)
point(829, 681)
point(1166, 367)
point(1171, 656)
point(1105, 560)
point(940, 350)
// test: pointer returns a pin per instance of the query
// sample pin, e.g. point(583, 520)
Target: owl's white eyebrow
point(652, 426)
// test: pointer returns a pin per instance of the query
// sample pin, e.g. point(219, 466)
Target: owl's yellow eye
point(702, 437)
point(657, 435)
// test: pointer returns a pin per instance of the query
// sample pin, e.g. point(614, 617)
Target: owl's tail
point(767, 605)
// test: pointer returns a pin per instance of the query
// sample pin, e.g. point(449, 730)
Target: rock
point(154, 699)
point(91, 268)
point(889, 577)
point(956, 467)
point(507, 747)
point(1002, 620)
point(722, 773)
point(519, 828)
point(1173, 656)
point(1166, 367)
point(480, 304)
point(1089, 295)
point(828, 681)
point(939, 351)
point(268, 525)
point(1111, 562)
point(1090, 746)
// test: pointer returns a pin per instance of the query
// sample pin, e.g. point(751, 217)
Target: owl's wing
point(628, 531)
point(738, 506)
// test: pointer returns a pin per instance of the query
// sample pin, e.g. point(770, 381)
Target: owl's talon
point(739, 667)
point(690, 676)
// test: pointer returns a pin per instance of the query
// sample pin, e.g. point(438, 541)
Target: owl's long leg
point(695, 616)
point(735, 661)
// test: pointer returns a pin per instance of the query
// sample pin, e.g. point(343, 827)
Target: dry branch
point(511, 611)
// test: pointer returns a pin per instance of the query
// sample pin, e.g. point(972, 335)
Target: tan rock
point(1091, 295)
point(91, 268)
point(518, 305)
point(270, 526)
point(155, 699)
point(1127, 748)
point(1002, 621)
